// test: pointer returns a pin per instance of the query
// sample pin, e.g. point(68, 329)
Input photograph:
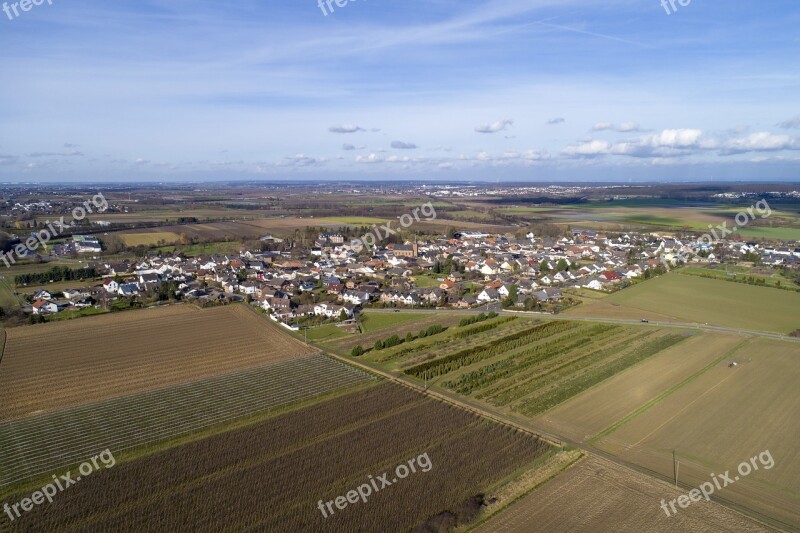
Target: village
point(333, 280)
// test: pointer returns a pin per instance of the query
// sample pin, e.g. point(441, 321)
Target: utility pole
point(675, 466)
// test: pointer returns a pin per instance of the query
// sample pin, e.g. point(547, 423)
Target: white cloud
point(626, 127)
point(346, 128)
point(494, 127)
point(760, 142)
point(371, 158)
point(557, 120)
point(591, 148)
point(400, 145)
point(301, 160)
point(602, 126)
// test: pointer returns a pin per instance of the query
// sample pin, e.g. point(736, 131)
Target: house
point(43, 307)
point(548, 294)
point(111, 286)
point(129, 289)
point(488, 295)
point(356, 297)
point(43, 295)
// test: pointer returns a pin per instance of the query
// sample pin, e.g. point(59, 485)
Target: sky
point(493, 90)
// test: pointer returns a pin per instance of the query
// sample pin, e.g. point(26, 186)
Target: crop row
point(269, 476)
point(37, 444)
point(579, 382)
point(427, 351)
point(449, 363)
point(550, 374)
point(530, 357)
point(481, 328)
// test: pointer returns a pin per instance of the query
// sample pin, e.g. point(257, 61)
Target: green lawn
point(426, 282)
point(694, 299)
point(377, 321)
point(324, 333)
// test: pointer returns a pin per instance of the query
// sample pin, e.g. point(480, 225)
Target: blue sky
point(534, 90)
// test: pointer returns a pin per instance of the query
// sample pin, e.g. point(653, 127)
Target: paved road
point(548, 316)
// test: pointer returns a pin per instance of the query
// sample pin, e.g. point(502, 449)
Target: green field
point(377, 321)
point(534, 369)
point(323, 333)
point(694, 299)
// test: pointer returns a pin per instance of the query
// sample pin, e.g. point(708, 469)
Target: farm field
point(694, 299)
point(609, 402)
point(46, 442)
point(598, 495)
point(59, 365)
point(271, 475)
point(371, 322)
point(541, 366)
point(149, 239)
point(722, 418)
point(453, 339)
point(405, 352)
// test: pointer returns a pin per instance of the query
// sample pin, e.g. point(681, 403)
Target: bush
point(357, 351)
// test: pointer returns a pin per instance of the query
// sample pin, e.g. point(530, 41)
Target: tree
point(562, 266)
point(543, 266)
point(409, 337)
point(378, 345)
point(357, 351)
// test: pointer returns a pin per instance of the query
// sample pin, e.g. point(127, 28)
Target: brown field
point(598, 495)
point(722, 418)
point(149, 239)
point(615, 398)
point(271, 475)
point(57, 365)
point(213, 231)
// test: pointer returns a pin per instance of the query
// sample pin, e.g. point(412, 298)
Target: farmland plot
point(598, 495)
point(271, 475)
point(724, 417)
point(54, 366)
point(50, 441)
point(542, 366)
point(606, 404)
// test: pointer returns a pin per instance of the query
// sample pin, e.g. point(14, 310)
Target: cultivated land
point(401, 327)
point(54, 366)
point(598, 495)
point(529, 368)
point(50, 441)
point(609, 402)
point(693, 299)
point(723, 417)
point(270, 476)
point(149, 239)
